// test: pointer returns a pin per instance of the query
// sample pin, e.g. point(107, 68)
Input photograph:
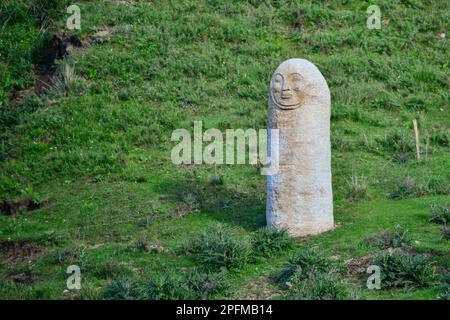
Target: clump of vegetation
point(440, 137)
point(403, 270)
point(89, 291)
point(320, 286)
point(304, 264)
point(445, 232)
point(191, 284)
point(269, 241)
point(217, 247)
point(123, 288)
point(399, 237)
point(66, 80)
point(107, 270)
point(400, 143)
point(440, 213)
point(445, 293)
point(61, 255)
point(445, 287)
point(357, 189)
point(341, 143)
point(408, 188)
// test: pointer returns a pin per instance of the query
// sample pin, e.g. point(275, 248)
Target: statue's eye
point(296, 81)
point(277, 83)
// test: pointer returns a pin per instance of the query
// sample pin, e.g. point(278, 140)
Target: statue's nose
point(286, 93)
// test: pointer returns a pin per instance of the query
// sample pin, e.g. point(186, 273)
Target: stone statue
point(299, 196)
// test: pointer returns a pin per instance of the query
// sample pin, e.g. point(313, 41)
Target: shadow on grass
point(221, 202)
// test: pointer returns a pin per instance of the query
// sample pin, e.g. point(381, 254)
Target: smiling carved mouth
point(286, 95)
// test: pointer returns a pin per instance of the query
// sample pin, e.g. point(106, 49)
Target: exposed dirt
point(182, 211)
point(12, 207)
point(16, 252)
point(57, 48)
point(360, 265)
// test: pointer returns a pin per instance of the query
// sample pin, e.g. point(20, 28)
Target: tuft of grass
point(320, 286)
point(218, 247)
point(192, 284)
point(445, 232)
point(440, 213)
point(269, 241)
point(66, 81)
point(399, 237)
point(409, 188)
point(403, 270)
point(445, 294)
point(107, 270)
point(304, 264)
point(357, 189)
point(400, 143)
point(61, 255)
point(123, 288)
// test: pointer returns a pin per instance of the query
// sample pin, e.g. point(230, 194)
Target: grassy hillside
point(90, 151)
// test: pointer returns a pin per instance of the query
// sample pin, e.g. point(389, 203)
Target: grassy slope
point(103, 156)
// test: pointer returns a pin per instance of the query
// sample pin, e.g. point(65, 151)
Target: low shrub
point(269, 241)
point(357, 189)
point(320, 286)
point(192, 284)
point(400, 143)
point(123, 289)
point(399, 237)
point(440, 213)
point(405, 270)
point(445, 232)
point(219, 247)
point(109, 270)
point(304, 264)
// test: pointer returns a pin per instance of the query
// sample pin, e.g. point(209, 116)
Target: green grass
point(100, 154)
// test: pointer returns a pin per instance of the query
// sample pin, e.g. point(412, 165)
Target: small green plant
point(191, 284)
point(400, 143)
point(269, 241)
point(320, 286)
point(61, 255)
point(303, 264)
point(141, 245)
point(445, 232)
point(445, 293)
point(218, 247)
point(357, 189)
point(108, 270)
point(399, 237)
point(405, 270)
point(409, 188)
point(440, 213)
point(123, 289)
point(66, 80)
point(204, 284)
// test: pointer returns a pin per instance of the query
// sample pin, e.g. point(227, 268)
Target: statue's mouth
point(286, 95)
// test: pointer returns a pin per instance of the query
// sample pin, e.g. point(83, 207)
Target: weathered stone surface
point(299, 196)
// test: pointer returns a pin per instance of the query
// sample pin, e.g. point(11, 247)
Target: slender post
point(416, 139)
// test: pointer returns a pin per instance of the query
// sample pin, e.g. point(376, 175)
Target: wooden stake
point(427, 144)
point(416, 139)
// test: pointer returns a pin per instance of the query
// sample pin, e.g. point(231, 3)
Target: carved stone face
point(286, 90)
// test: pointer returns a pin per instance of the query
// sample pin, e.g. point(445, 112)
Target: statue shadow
point(220, 202)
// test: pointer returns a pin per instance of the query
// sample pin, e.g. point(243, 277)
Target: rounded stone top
point(294, 81)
